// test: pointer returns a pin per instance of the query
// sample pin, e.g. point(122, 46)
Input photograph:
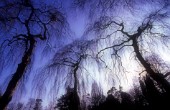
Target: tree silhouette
point(20, 106)
point(30, 104)
point(97, 97)
point(133, 40)
point(68, 101)
point(26, 23)
point(154, 95)
point(15, 106)
point(38, 104)
point(112, 38)
point(140, 42)
point(126, 101)
point(139, 99)
point(66, 68)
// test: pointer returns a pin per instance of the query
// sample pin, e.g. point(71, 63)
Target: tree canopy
point(121, 57)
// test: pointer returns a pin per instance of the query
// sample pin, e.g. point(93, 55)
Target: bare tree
point(23, 24)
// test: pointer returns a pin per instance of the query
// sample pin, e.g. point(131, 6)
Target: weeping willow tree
point(23, 24)
point(117, 38)
point(141, 37)
point(67, 70)
point(135, 30)
point(116, 32)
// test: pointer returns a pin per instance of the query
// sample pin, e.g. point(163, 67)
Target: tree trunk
point(75, 78)
point(76, 97)
point(159, 78)
point(8, 94)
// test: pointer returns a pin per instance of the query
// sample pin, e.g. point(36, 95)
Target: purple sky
point(78, 20)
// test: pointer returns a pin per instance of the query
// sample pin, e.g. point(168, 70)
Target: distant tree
point(20, 106)
point(97, 97)
point(30, 104)
point(111, 103)
point(11, 106)
point(23, 24)
point(16, 106)
point(51, 106)
point(139, 99)
point(38, 104)
point(86, 102)
point(67, 101)
point(126, 100)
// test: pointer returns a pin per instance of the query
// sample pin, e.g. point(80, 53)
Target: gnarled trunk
point(159, 78)
point(7, 96)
